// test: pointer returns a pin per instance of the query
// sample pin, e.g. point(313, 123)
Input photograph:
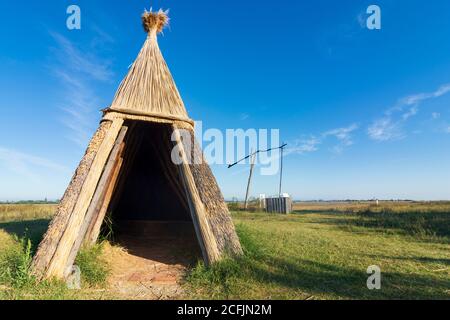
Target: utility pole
point(281, 169)
point(252, 158)
point(252, 166)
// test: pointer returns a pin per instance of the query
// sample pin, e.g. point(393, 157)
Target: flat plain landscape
point(322, 251)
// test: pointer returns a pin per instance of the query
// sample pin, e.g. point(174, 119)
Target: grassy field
point(320, 252)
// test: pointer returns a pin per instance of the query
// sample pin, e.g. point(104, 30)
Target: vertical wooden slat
point(94, 232)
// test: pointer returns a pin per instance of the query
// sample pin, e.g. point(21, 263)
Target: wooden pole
point(99, 196)
point(252, 166)
point(281, 171)
point(93, 233)
point(49, 244)
point(58, 263)
point(208, 243)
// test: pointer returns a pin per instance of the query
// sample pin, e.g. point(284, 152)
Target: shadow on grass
point(426, 260)
point(33, 230)
point(344, 282)
point(267, 271)
point(318, 278)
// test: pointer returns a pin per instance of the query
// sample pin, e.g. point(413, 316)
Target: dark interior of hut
point(149, 212)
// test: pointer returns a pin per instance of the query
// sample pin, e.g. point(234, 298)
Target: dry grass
point(365, 206)
point(155, 20)
point(26, 212)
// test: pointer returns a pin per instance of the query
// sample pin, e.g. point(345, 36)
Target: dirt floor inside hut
point(149, 261)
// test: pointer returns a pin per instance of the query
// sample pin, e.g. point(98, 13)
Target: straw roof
point(149, 89)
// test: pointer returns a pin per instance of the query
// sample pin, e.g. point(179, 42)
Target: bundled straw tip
point(155, 20)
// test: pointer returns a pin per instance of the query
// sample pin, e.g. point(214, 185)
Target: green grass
point(322, 252)
point(17, 283)
point(326, 255)
point(21, 230)
point(94, 270)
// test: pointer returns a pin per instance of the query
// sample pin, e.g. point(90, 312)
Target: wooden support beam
point(58, 263)
point(96, 226)
point(202, 227)
point(49, 244)
point(99, 196)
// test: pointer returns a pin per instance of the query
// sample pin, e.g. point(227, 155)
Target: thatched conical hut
point(128, 169)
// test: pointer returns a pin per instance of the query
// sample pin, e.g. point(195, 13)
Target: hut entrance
point(149, 214)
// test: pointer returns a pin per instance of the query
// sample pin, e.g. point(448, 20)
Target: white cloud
point(25, 164)
point(75, 60)
point(416, 99)
point(302, 146)
point(312, 143)
point(77, 70)
point(102, 37)
point(244, 116)
point(384, 130)
point(79, 109)
point(435, 115)
point(410, 113)
point(412, 100)
point(442, 90)
point(390, 126)
point(344, 135)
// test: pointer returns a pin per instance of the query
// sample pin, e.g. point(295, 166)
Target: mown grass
point(325, 255)
point(317, 253)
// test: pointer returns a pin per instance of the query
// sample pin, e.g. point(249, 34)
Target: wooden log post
point(48, 245)
point(96, 224)
point(202, 227)
point(217, 212)
point(58, 263)
point(99, 196)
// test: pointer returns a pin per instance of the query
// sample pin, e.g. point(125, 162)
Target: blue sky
point(366, 113)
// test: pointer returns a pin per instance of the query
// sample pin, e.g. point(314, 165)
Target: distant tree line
point(31, 202)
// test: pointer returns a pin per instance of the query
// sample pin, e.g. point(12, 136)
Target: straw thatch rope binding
point(126, 114)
